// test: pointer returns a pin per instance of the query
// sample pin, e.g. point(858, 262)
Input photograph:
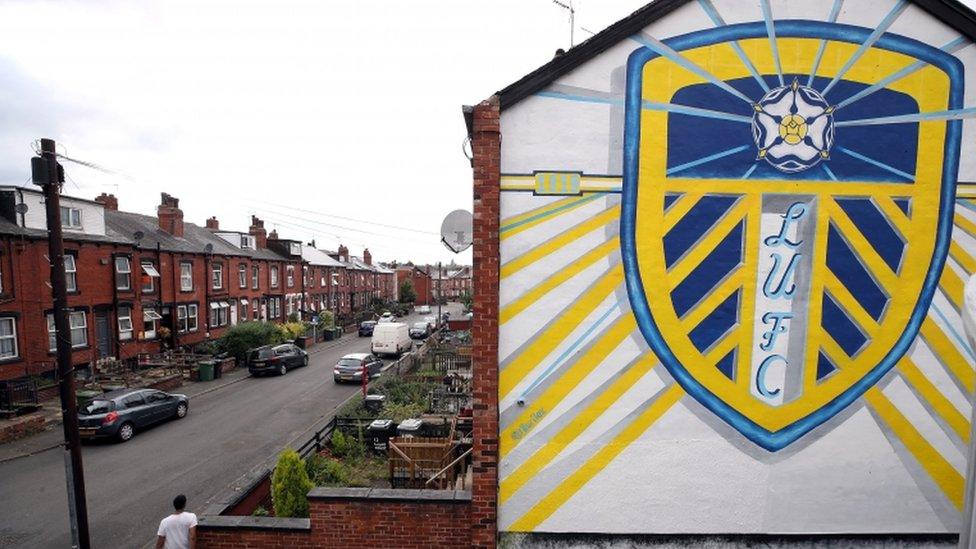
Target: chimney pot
point(108, 201)
point(213, 224)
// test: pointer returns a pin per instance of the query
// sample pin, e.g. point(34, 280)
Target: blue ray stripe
point(956, 114)
point(751, 169)
point(679, 109)
point(830, 174)
point(955, 335)
point(569, 350)
point(877, 163)
point(951, 47)
point(664, 50)
point(706, 159)
point(967, 204)
point(771, 31)
point(834, 12)
point(874, 36)
point(719, 22)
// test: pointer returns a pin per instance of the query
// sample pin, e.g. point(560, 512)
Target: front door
point(103, 334)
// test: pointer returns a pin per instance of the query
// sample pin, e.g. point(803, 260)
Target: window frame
point(127, 273)
point(72, 224)
point(255, 277)
point(125, 334)
point(290, 276)
point(71, 275)
point(12, 337)
point(152, 282)
point(217, 276)
point(186, 275)
point(274, 276)
point(242, 275)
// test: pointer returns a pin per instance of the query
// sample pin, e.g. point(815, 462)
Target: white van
point(391, 338)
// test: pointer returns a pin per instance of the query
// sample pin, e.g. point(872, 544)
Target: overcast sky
point(309, 114)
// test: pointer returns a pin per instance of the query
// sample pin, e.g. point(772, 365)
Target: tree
point(407, 293)
point(466, 300)
point(290, 485)
point(238, 340)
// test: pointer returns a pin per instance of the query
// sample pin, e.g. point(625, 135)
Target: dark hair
point(179, 502)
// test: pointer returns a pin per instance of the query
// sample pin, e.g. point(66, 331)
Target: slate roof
point(319, 258)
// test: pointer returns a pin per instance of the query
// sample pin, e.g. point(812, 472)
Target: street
point(130, 486)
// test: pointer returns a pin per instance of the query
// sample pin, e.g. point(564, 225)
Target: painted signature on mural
point(526, 426)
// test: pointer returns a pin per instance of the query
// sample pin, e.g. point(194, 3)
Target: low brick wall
point(21, 427)
point(353, 518)
point(167, 383)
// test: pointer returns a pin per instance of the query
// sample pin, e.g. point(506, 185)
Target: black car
point(276, 359)
point(350, 367)
point(120, 413)
point(366, 328)
point(419, 330)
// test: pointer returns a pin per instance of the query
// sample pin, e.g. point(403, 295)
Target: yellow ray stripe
point(952, 285)
point(552, 336)
point(965, 260)
point(948, 354)
point(557, 391)
point(965, 224)
point(722, 347)
point(554, 244)
point(712, 300)
point(848, 303)
point(893, 213)
point(565, 490)
point(679, 208)
point(574, 203)
point(536, 211)
point(939, 470)
point(700, 250)
point(544, 455)
point(860, 245)
point(949, 413)
point(528, 298)
point(833, 350)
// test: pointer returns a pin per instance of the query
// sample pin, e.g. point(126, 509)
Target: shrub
point(290, 486)
point(344, 445)
point(260, 512)
point(291, 330)
point(326, 472)
point(400, 412)
point(238, 340)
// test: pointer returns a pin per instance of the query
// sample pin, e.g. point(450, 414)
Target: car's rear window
point(98, 407)
point(259, 354)
point(420, 325)
point(350, 362)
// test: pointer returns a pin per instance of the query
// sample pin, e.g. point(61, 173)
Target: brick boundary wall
point(486, 147)
point(21, 428)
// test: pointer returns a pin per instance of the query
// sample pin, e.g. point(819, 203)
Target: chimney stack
point(170, 215)
point(273, 235)
point(213, 224)
point(367, 257)
point(108, 201)
point(343, 253)
point(258, 232)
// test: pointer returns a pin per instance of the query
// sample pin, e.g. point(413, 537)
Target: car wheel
point(305, 360)
point(126, 431)
point(336, 380)
point(282, 370)
point(181, 410)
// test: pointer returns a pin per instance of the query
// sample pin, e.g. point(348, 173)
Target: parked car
point(423, 309)
point(121, 413)
point(431, 321)
point(386, 320)
point(419, 330)
point(350, 367)
point(276, 359)
point(366, 328)
point(391, 338)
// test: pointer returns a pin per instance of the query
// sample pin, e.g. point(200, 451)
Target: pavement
point(235, 423)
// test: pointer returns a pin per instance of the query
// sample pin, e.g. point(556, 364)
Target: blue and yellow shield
point(787, 208)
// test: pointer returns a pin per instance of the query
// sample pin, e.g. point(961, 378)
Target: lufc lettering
point(778, 290)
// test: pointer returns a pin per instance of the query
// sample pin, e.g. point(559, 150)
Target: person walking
point(179, 530)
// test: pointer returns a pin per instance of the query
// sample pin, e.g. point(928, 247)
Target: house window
point(71, 273)
point(305, 278)
point(296, 248)
point(274, 276)
point(192, 315)
point(242, 275)
point(125, 322)
point(123, 273)
point(78, 326)
point(149, 318)
point(255, 276)
point(218, 276)
point(181, 319)
point(70, 217)
point(322, 278)
point(290, 276)
point(149, 276)
point(254, 309)
point(219, 313)
point(274, 307)
point(243, 310)
point(186, 276)
point(247, 242)
point(8, 337)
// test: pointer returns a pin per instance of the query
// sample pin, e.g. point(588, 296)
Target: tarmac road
point(131, 486)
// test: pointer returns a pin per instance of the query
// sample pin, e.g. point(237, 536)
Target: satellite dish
point(138, 235)
point(456, 231)
point(208, 248)
point(21, 208)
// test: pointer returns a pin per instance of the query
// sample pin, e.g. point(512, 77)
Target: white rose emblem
point(793, 128)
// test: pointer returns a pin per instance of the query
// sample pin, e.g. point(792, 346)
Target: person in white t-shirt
point(179, 530)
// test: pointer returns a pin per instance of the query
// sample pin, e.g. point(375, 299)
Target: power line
point(300, 227)
point(316, 222)
point(322, 214)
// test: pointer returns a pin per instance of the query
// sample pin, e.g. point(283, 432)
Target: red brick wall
point(486, 145)
point(21, 427)
point(233, 538)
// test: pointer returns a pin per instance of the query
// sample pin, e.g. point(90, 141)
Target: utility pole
point(440, 275)
point(48, 173)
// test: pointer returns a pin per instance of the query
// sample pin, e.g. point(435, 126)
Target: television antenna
point(572, 17)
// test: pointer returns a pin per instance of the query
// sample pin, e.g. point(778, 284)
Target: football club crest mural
point(733, 251)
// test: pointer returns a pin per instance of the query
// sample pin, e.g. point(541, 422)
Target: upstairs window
point(71, 273)
point(70, 217)
point(242, 275)
point(218, 276)
point(123, 273)
point(255, 276)
point(290, 270)
point(274, 276)
point(186, 277)
point(149, 276)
